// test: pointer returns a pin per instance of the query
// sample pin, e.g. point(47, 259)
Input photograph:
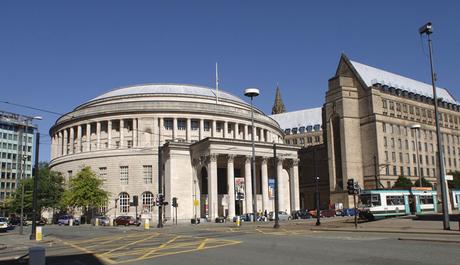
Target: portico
point(219, 166)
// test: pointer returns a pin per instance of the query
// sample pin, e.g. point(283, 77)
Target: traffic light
point(161, 199)
point(174, 202)
point(135, 200)
point(351, 186)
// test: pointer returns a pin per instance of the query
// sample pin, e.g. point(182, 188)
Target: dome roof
point(177, 89)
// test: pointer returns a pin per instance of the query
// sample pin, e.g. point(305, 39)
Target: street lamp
point(24, 162)
point(253, 92)
point(416, 128)
point(428, 30)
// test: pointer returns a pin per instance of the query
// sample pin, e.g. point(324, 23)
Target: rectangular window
point(124, 175)
point(168, 124)
point(395, 171)
point(219, 126)
point(408, 171)
point(147, 172)
point(182, 124)
point(207, 126)
point(395, 200)
point(195, 125)
point(384, 127)
point(103, 173)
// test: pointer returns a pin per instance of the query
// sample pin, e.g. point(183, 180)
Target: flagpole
point(217, 84)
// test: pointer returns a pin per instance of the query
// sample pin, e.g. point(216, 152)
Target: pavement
point(336, 241)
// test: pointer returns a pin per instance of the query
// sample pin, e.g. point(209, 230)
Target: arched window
point(147, 201)
point(123, 201)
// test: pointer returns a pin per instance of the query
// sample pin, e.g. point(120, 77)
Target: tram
point(378, 204)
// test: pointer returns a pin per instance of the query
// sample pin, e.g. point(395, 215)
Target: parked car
point(220, 219)
point(103, 220)
point(65, 220)
point(282, 216)
point(40, 222)
point(3, 224)
point(301, 214)
point(15, 220)
point(323, 213)
point(126, 221)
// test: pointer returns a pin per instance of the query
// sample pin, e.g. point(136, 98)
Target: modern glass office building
point(16, 151)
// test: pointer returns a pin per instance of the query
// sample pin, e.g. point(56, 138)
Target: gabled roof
point(299, 118)
point(371, 75)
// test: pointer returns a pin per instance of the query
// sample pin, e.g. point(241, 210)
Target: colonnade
point(291, 183)
point(126, 133)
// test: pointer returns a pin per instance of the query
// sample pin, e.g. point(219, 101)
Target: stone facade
point(369, 131)
point(121, 134)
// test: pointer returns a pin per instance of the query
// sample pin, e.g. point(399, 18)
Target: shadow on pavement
point(87, 259)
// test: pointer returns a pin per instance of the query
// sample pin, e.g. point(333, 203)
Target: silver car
point(103, 220)
point(282, 216)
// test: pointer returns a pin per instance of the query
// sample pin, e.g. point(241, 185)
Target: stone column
point(279, 170)
point(71, 139)
point(254, 132)
point(122, 129)
point(201, 129)
point(109, 134)
point(135, 130)
point(59, 149)
point(231, 186)
point(265, 199)
point(262, 136)
point(79, 138)
point(245, 133)
point(224, 134)
point(214, 131)
point(189, 130)
point(154, 137)
point(98, 135)
point(294, 181)
point(66, 144)
point(248, 184)
point(88, 137)
point(235, 130)
point(212, 187)
point(174, 135)
point(161, 130)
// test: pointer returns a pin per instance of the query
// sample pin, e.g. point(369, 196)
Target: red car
point(126, 221)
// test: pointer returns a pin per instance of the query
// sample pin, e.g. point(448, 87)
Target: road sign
point(449, 177)
point(196, 202)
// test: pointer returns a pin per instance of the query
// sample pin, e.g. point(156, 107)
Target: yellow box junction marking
point(116, 250)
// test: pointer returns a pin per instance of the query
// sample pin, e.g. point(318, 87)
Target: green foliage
point(49, 191)
point(425, 183)
point(85, 190)
point(403, 182)
point(454, 184)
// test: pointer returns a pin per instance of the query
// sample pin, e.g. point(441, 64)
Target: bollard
point(96, 222)
point(146, 224)
point(238, 221)
point(37, 256)
point(38, 233)
point(71, 222)
point(110, 221)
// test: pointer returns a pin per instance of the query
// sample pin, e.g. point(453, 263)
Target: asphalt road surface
point(226, 244)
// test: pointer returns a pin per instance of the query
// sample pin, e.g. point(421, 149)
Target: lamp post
point(416, 129)
point(428, 30)
point(253, 92)
point(24, 164)
point(35, 191)
point(318, 211)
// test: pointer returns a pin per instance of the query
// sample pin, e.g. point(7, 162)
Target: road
point(249, 244)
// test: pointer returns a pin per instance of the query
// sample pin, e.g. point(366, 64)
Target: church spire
point(278, 106)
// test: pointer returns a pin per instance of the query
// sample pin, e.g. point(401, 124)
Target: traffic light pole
point(356, 211)
point(160, 188)
point(275, 165)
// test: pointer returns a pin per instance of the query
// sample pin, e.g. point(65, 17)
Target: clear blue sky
point(58, 54)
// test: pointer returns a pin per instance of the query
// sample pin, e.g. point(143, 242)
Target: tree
point(49, 192)
point(455, 183)
point(425, 183)
point(85, 191)
point(403, 182)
